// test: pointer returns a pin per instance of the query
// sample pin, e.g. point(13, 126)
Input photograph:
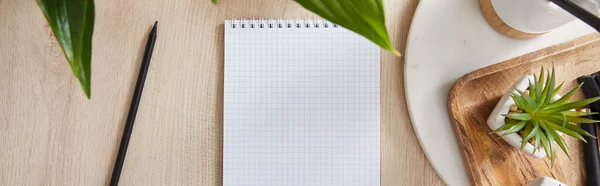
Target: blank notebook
point(301, 105)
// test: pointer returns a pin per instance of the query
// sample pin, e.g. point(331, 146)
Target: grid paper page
point(301, 105)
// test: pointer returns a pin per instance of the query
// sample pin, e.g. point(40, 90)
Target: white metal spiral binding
point(245, 23)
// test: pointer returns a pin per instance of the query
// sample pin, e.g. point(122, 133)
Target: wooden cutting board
point(490, 160)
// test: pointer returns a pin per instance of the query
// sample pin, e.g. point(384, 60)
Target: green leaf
point(556, 137)
point(570, 127)
point(545, 144)
point(556, 90)
point(542, 76)
point(576, 119)
point(536, 143)
point(532, 88)
point(548, 90)
point(529, 132)
point(572, 105)
point(515, 128)
point(506, 126)
point(565, 98)
point(526, 101)
point(577, 114)
point(533, 131)
point(551, 149)
point(72, 23)
point(566, 131)
point(538, 86)
point(215, 1)
point(518, 116)
point(530, 102)
point(564, 119)
point(521, 103)
point(365, 17)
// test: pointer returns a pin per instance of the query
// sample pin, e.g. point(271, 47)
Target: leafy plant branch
point(72, 23)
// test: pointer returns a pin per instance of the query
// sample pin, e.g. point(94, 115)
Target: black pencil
point(591, 89)
point(137, 94)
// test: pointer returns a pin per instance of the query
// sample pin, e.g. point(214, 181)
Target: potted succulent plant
point(532, 116)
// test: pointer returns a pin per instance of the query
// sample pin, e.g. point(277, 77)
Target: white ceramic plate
point(447, 39)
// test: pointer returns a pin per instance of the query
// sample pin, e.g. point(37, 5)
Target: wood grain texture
point(52, 135)
point(500, 26)
point(492, 161)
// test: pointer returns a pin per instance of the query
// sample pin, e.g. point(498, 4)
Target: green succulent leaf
point(557, 138)
point(532, 88)
point(536, 144)
point(548, 90)
point(538, 85)
point(550, 146)
point(565, 98)
point(577, 114)
point(572, 105)
point(72, 23)
point(545, 144)
point(521, 102)
point(365, 17)
point(518, 116)
point(531, 103)
point(572, 119)
point(556, 90)
point(564, 119)
point(529, 132)
point(515, 128)
point(506, 126)
point(565, 130)
point(569, 127)
point(534, 130)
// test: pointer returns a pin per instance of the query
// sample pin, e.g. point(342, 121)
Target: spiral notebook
point(301, 105)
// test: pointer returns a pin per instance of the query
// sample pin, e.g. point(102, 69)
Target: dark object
point(592, 160)
point(582, 9)
point(135, 101)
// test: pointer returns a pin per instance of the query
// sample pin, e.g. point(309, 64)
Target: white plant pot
point(496, 120)
point(545, 181)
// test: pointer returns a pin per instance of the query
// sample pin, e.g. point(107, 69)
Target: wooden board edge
point(492, 18)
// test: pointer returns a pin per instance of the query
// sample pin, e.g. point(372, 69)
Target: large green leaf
point(72, 22)
point(365, 17)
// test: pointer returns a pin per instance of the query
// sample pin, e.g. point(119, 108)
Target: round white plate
point(447, 39)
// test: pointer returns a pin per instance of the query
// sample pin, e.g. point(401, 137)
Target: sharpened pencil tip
point(155, 24)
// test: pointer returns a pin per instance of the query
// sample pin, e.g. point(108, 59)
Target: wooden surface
point(500, 26)
point(50, 134)
point(492, 161)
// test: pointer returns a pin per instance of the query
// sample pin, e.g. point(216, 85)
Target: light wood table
point(50, 134)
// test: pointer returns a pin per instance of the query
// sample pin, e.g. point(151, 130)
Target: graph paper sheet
point(301, 105)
